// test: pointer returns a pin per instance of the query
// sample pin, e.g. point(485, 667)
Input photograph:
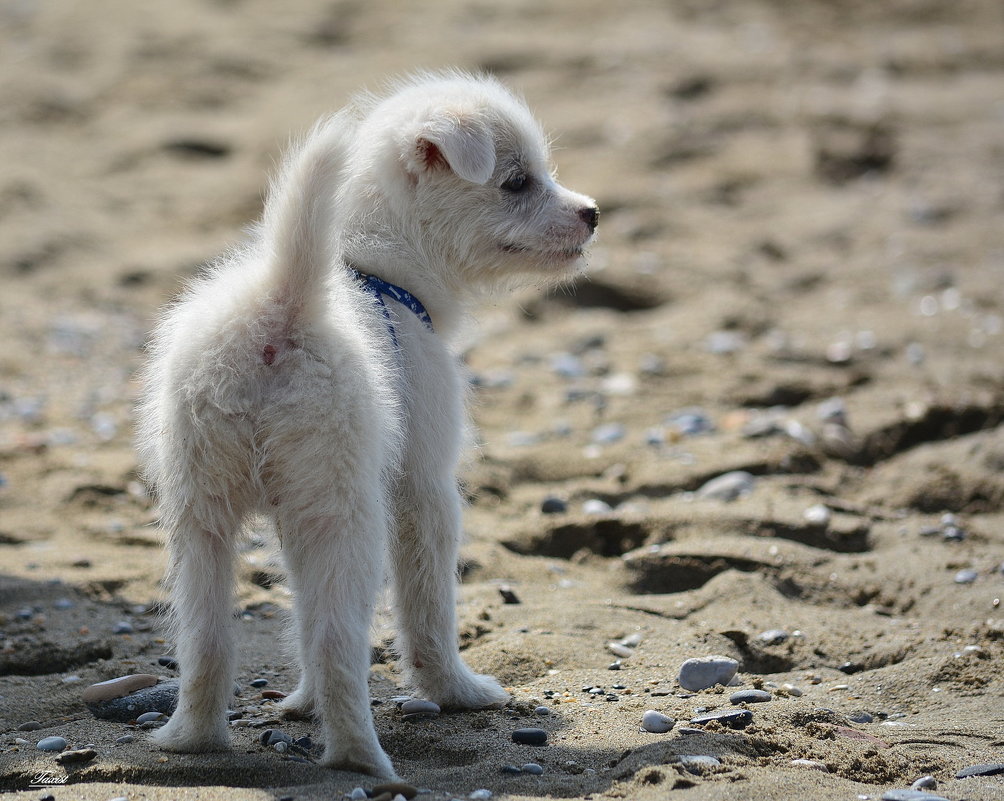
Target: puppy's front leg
point(425, 569)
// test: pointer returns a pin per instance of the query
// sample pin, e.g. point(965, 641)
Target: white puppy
point(308, 377)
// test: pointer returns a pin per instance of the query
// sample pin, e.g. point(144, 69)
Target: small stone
point(925, 783)
point(532, 768)
point(152, 717)
point(123, 627)
point(632, 640)
point(257, 683)
point(76, 757)
point(125, 739)
point(508, 596)
point(273, 695)
point(118, 687)
point(51, 744)
point(409, 791)
point(31, 725)
point(280, 747)
point(967, 576)
point(608, 433)
point(697, 763)
point(810, 763)
point(358, 794)
point(480, 795)
point(270, 737)
point(169, 662)
point(817, 515)
point(619, 649)
point(700, 673)
point(792, 690)
point(860, 716)
point(732, 718)
point(161, 697)
point(773, 636)
point(542, 711)
point(750, 697)
point(594, 506)
point(992, 769)
point(728, 486)
point(419, 706)
point(512, 770)
point(910, 795)
point(529, 736)
point(62, 603)
point(553, 506)
point(656, 722)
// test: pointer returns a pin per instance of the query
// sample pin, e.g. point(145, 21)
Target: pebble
point(750, 697)
point(151, 717)
point(594, 506)
point(818, 515)
point(419, 706)
point(773, 636)
point(608, 433)
point(161, 697)
point(911, 795)
point(270, 737)
point(992, 769)
point(925, 783)
point(656, 722)
point(257, 683)
point(125, 739)
point(619, 649)
point(967, 576)
point(697, 763)
point(542, 710)
point(31, 725)
point(358, 794)
point(700, 673)
point(552, 505)
point(51, 744)
point(532, 768)
point(123, 627)
point(724, 342)
point(728, 486)
point(480, 795)
point(792, 690)
point(117, 688)
point(529, 736)
point(281, 747)
point(732, 718)
point(860, 716)
point(508, 596)
point(76, 757)
point(169, 662)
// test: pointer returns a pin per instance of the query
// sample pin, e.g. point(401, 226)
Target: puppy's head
point(467, 170)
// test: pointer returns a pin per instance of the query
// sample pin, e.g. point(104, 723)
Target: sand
point(801, 202)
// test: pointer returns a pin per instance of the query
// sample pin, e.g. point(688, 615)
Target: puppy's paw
point(360, 761)
point(189, 736)
point(468, 690)
point(298, 705)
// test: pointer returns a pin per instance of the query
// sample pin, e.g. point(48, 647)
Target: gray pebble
point(270, 737)
point(125, 739)
point(76, 757)
point(281, 747)
point(750, 697)
point(697, 763)
point(860, 716)
point(619, 649)
point(542, 710)
point(532, 768)
point(480, 795)
point(967, 576)
point(169, 662)
point(512, 770)
point(700, 673)
point(62, 603)
point(925, 783)
point(690, 422)
point(553, 506)
point(810, 763)
point(529, 736)
point(992, 769)
point(595, 506)
point(732, 718)
point(152, 717)
point(259, 683)
point(419, 706)
point(608, 433)
point(161, 697)
point(723, 342)
point(728, 486)
point(123, 627)
point(51, 744)
point(357, 794)
point(656, 722)
point(773, 636)
point(31, 725)
point(910, 795)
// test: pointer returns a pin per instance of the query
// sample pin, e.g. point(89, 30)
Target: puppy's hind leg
point(202, 601)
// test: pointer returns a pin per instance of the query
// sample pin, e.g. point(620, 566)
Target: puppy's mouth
point(558, 254)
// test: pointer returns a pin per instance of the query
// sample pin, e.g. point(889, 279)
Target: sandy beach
point(797, 286)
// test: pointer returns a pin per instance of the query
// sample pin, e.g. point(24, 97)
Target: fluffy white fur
point(274, 388)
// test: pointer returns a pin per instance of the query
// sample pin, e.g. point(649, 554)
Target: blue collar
point(378, 288)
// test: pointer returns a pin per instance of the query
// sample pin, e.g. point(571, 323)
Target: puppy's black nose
point(590, 215)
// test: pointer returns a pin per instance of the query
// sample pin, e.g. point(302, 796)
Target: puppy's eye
point(516, 184)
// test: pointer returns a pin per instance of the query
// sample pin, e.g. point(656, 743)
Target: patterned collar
point(377, 287)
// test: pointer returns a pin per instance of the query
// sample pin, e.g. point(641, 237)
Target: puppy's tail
point(299, 222)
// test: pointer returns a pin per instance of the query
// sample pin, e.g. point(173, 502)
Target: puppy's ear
point(461, 143)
